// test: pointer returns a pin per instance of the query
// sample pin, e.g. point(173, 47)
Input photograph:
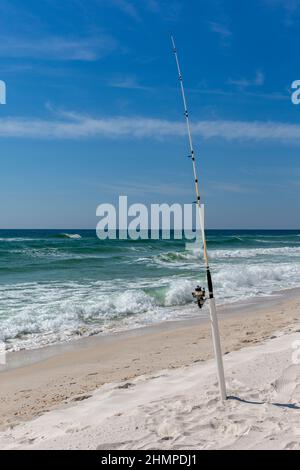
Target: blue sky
point(93, 109)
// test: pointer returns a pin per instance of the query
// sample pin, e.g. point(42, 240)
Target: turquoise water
point(56, 286)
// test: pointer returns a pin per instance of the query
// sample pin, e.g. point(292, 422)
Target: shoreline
point(70, 373)
point(248, 306)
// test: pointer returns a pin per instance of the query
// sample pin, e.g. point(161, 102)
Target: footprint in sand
point(287, 387)
point(292, 446)
point(113, 446)
point(126, 385)
point(81, 398)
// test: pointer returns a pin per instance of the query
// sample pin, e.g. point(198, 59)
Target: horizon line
point(172, 229)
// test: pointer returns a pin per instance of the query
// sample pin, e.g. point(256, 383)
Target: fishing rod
point(212, 302)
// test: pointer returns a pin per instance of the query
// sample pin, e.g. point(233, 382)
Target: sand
point(156, 388)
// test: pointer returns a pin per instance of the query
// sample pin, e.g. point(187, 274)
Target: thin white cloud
point(276, 96)
point(58, 48)
point(243, 83)
point(68, 125)
point(172, 11)
point(127, 83)
point(259, 79)
point(134, 187)
point(220, 29)
point(153, 6)
point(225, 187)
point(289, 6)
point(127, 7)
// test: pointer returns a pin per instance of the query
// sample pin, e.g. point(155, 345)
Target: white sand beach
point(175, 404)
point(179, 409)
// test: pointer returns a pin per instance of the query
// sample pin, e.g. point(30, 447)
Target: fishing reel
point(199, 296)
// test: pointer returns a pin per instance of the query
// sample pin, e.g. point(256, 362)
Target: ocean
point(60, 285)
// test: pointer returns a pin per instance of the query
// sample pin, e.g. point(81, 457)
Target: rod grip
point(209, 284)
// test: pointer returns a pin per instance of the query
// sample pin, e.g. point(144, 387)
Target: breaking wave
point(53, 288)
point(180, 258)
point(72, 236)
point(75, 310)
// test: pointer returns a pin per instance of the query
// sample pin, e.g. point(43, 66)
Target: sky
point(93, 109)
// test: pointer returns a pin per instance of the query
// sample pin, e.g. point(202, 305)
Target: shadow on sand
point(290, 406)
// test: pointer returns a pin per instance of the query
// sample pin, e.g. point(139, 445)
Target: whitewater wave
point(17, 239)
point(173, 259)
point(74, 310)
point(180, 259)
point(61, 312)
point(56, 254)
point(179, 293)
point(253, 280)
point(72, 236)
point(254, 252)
